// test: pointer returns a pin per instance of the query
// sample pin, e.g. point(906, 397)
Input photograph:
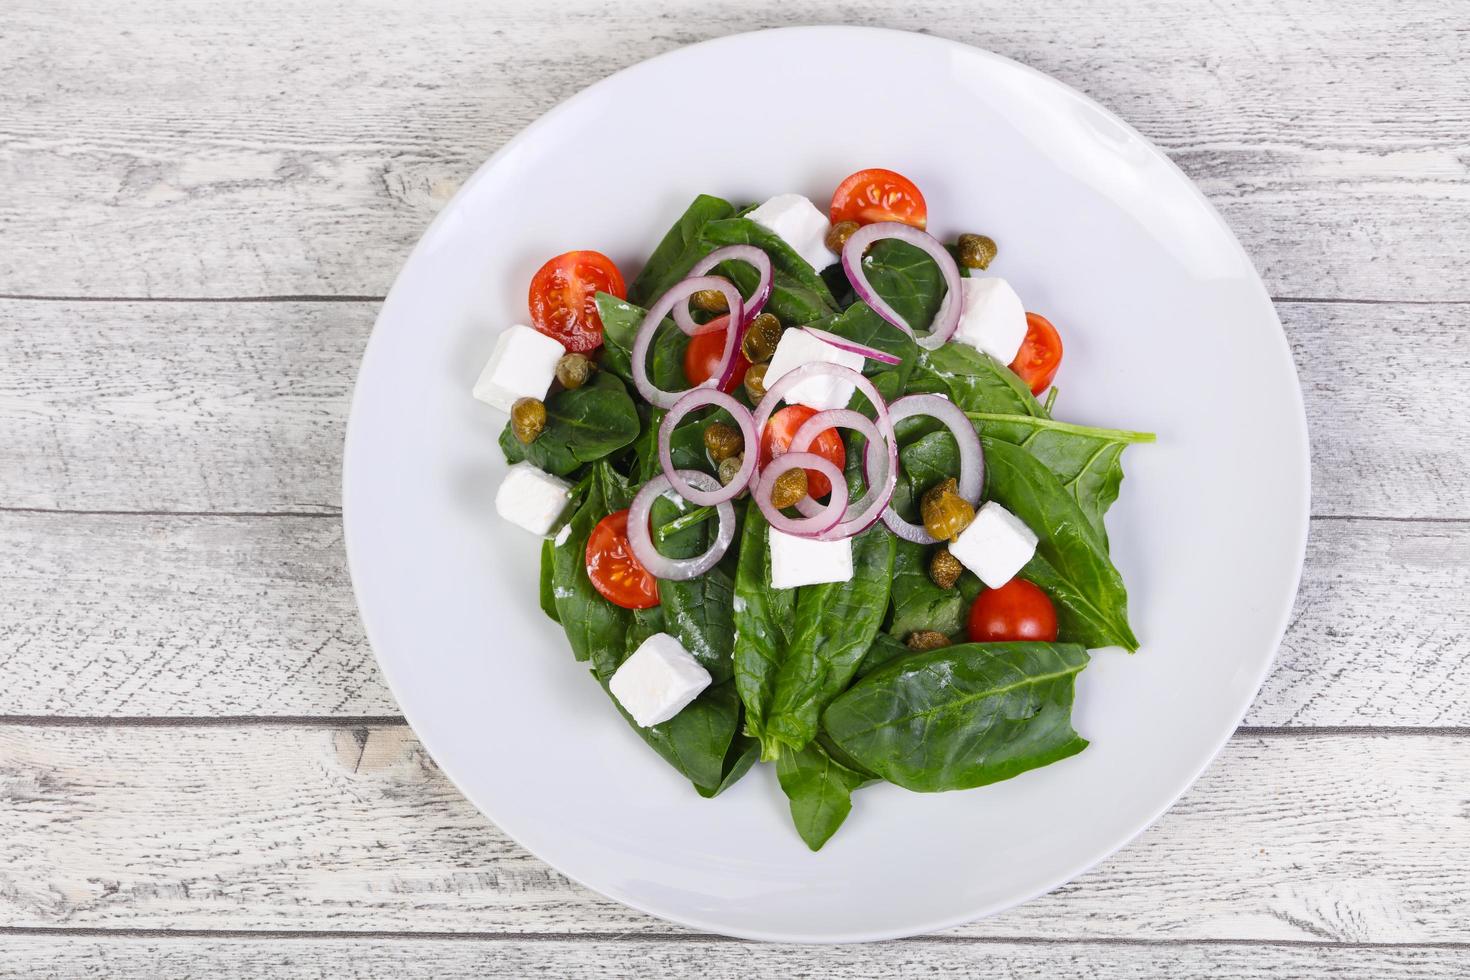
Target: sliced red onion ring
point(852, 346)
point(790, 379)
point(640, 538)
point(972, 457)
point(732, 253)
point(948, 317)
point(802, 527)
point(644, 338)
point(881, 482)
point(688, 402)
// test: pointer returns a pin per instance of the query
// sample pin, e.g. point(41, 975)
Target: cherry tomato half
point(781, 429)
point(563, 298)
point(1017, 610)
point(702, 356)
point(1040, 355)
point(614, 570)
point(879, 195)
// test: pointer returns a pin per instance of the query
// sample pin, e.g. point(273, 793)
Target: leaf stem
point(1114, 435)
point(1051, 399)
point(696, 516)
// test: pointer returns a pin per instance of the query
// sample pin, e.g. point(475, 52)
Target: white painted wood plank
point(31, 957)
point(242, 406)
point(1332, 135)
point(341, 829)
point(198, 616)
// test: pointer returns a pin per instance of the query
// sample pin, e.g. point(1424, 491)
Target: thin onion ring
point(802, 527)
point(947, 319)
point(643, 339)
point(698, 398)
point(972, 456)
point(881, 485)
point(640, 537)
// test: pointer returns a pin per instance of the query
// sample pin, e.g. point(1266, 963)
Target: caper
point(944, 569)
point(711, 301)
point(927, 640)
point(722, 441)
point(527, 419)
point(730, 468)
point(839, 233)
point(977, 251)
point(573, 370)
point(789, 488)
point(761, 338)
point(755, 382)
point(945, 512)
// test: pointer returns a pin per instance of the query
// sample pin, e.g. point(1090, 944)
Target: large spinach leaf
point(1071, 561)
point(860, 324)
point(919, 604)
point(834, 625)
point(820, 790)
point(699, 612)
point(908, 279)
point(798, 294)
point(763, 618)
point(676, 253)
point(591, 622)
point(548, 580)
point(974, 381)
point(620, 322)
point(962, 716)
point(583, 425)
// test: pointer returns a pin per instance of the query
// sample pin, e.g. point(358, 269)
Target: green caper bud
point(711, 301)
point(838, 235)
point(977, 251)
point(722, 441)
point(761, 338)
point(573, 370)
point(789, 488)
point(945, 512)
point(730, 468)
point(527, 419)
point(755, 382)
point(927, 640)
point(944, 569)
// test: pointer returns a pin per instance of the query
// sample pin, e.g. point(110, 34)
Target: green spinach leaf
point(974, 381)
point(583, 425)
point(908, 279)
point(699, 612)
point(885, 648)
point(798, 293)
point(548, 580)
point(963, 716)
point(919, 604)
point(676, 253)
point(860, 324)
point(762, 618)
point(820, 790)
point(620, 322)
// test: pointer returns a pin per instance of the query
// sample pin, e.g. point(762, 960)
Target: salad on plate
point(801, 503)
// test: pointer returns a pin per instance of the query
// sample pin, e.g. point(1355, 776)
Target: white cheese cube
point(797, 347)
point(995, 546)
point(800, 225)
point(806, 561)
point(531, 498)
point(992, 318)
point(522, 365)
point(658, 681)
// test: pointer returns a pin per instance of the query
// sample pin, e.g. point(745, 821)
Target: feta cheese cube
point(992, 318)
point(522, 365)
point(806, 561)
point(531, 498)
point(797, 347)
point(995, 546)
point(800, 225)
point(658, 681)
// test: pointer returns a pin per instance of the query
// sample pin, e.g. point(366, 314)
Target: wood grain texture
point(1332, 135)
point(36, 957)
point(242, 406)
point(1322, 838)
point(195, 616)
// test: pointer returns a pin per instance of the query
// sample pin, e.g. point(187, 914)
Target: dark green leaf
point(919, 604)
point(699, 612)
point(620, 322)
point(798, 293)
point(583, 425)
point(592, 623)
point(1071, 562)
point(908, 279)
point(885, 648)
point(763, 618)
point(860, 324)
point(820, 791)
point(962, 716)
point(675, 254)
point(974, 381)
point(548, 576)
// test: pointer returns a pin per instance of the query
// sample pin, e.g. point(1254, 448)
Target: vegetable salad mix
point(800, 503)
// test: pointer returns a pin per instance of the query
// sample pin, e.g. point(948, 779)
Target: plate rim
point(1297, 421)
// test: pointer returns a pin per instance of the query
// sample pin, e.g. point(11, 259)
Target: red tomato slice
point(1040, 355)
point(614, 570)
point(563, 297)
point(781, 429)
point(702, 357)
point(879, 195)
point(1017, 610)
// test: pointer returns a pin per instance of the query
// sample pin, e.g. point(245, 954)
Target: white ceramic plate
point(1167, 328)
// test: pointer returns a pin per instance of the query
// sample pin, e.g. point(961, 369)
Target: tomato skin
point(1017, 610)
point(563, 297)
point(613, 568)
point(781, 429)
point(1040, 355)
point(878, 195)
point(702, 356)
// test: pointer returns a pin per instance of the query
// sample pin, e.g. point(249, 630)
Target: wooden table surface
point(201, 771)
